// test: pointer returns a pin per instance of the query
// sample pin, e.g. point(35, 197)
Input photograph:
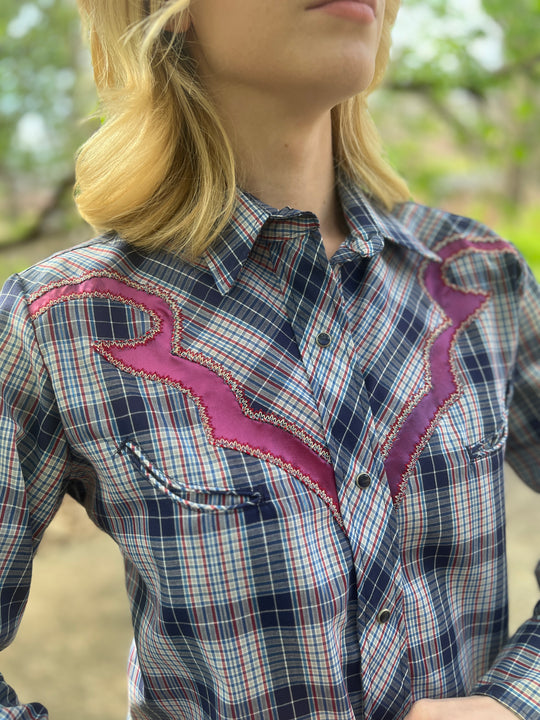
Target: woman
point(282, 389)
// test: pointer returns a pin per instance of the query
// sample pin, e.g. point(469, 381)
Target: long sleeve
point(514, 678)
point(34, 461)
point(268, 568)
point(523, 451)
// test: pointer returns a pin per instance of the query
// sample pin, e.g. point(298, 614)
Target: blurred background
point(460, 118)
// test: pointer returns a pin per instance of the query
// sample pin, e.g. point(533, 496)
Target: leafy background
point(460, 117)
point(459, 114)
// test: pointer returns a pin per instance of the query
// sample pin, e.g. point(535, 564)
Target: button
point(363, 481)
point(384, 616)
point(323, 340)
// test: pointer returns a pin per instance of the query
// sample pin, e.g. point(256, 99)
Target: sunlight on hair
point(160, 170)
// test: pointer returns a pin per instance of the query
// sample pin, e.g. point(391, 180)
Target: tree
point(476, 67)
point(44, 93)
point(460, 112)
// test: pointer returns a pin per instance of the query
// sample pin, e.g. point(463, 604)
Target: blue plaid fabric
point(301, 460)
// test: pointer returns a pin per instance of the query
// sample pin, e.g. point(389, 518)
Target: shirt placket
point(313, 302)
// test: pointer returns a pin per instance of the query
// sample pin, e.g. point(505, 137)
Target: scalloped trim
point(416, 423)
point(221, 403)
point(37, 307)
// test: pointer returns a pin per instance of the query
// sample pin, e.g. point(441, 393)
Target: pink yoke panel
point(159, 356)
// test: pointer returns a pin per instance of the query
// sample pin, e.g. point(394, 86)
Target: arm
point(34, 461)
point(523, 449)
point(514, 679)
point(511, 688)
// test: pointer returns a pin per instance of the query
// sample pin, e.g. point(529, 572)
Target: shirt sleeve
point(523, 450)
point(34, 461)
point(514, 679)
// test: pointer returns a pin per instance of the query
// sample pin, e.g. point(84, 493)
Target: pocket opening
point(208, 499)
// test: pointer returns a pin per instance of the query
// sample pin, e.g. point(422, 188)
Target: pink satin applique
point(415, 426)
point(156, 356)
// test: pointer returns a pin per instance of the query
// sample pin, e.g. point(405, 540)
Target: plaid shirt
point(300, 460)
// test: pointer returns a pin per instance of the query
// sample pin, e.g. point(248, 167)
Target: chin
point(348, 83)
point(352, 73)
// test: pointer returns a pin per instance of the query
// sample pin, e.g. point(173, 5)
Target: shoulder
point(434, 226)
point(105, 256)
point(466, 246)
point(101, 255)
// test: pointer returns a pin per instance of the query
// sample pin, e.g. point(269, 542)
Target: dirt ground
point(71, 651)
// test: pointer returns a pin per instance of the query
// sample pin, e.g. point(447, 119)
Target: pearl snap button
point(363, 481)
point(323, 340)
point(384, 616)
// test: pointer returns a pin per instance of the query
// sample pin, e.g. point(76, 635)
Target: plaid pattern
point(300, 460)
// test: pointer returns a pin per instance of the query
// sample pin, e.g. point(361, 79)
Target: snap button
point(384, 616)
point(363, 481)
point(323, 340)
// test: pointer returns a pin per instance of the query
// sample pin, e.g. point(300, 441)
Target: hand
point(475, 707)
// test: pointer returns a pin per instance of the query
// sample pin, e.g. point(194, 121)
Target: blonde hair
point(160, 170)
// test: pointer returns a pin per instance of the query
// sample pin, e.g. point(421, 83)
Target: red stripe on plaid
point(414, 427)
point(158, 356)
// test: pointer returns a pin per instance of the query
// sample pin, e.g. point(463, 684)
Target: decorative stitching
point(415, 424)
point(152, 289)
point(488, 445)
point(409, 406)
point(161, 482)
point(166, 314)
point(156, 322)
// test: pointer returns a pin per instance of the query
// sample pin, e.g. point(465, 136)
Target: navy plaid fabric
point(301, 461)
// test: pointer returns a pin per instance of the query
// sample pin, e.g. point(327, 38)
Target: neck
point(286, 159)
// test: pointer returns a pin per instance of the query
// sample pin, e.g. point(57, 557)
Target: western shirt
point(300, 459)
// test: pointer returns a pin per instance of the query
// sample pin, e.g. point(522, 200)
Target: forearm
point(514, 678)
point(469, 708)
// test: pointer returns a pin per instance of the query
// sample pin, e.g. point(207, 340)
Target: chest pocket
point(492, 443)
point(202, 498)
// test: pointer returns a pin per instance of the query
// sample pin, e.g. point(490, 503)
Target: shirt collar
point(368, 226)
point(226, 257)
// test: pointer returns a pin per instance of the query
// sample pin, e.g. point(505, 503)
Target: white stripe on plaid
point(250, 599)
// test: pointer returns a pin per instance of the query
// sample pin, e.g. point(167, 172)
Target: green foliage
point(465, 85)
point(523, 231)
point(40, 81)
point(460, 113)
point(477, 68)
